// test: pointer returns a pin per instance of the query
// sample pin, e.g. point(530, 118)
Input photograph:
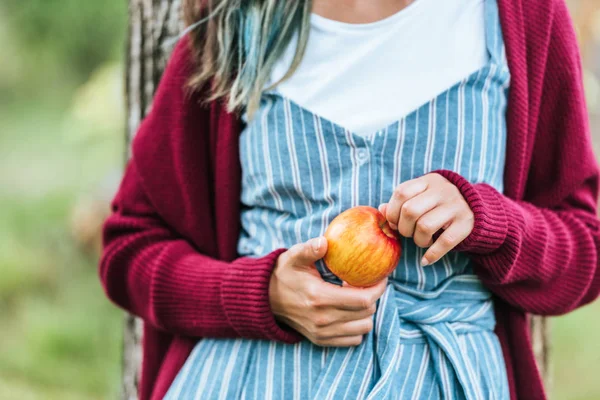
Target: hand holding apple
point(422, 207)
point(326, 314)
point(362, 248)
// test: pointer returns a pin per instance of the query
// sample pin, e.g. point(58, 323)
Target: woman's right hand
point(326, 314)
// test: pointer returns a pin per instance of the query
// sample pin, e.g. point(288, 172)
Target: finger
point(431, 222)
point(343, 341)
point(326, 295)
point(304, 254)
point(383, 210)
point(449, 239)
point(350, 328)
point(414, 209)
point(403, 192)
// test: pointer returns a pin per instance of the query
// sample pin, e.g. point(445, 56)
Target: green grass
point(576, 355)
point(59, 338)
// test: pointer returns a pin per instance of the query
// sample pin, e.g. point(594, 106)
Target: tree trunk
point(152, 25)
point(540, 337)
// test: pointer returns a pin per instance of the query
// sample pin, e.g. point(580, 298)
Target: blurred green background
point(61, 153)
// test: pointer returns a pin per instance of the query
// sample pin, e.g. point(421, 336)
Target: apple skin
point(362, 249)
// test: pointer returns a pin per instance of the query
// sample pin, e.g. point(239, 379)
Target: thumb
point(307, 253)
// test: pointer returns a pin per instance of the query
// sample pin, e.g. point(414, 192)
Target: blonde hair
point(237, 43)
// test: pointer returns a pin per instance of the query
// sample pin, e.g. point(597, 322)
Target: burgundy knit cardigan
point(170, 243)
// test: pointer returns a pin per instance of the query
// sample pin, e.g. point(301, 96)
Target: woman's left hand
point(419, 208)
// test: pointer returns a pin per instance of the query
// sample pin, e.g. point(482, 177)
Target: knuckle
point(408, 210)
point(434, 176)
point(322, 320)
point(305, 251)
point(313, 299)
point(309, 303)
point(424, 226)
point(469, 218)
point(314, 332)
point(392, 213)
point(447, 240)
point(400, 193)
point(321, 335)
point(372, 309)
point(365, 302)
point(453, 196)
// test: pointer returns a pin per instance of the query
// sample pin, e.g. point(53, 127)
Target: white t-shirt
point(365, 77)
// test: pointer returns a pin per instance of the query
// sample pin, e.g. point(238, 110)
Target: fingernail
point(424, 261)
point(317, 243)
point(380, 208)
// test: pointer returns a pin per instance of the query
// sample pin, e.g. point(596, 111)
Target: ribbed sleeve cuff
point(202, 301)
point(245, 299)
point(491, 223)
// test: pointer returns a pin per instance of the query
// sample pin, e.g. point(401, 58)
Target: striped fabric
point(433, 335)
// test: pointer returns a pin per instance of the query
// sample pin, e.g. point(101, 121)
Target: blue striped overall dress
point(433, 330)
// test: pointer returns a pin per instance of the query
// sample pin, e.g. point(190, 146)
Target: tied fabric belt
point(407, 316)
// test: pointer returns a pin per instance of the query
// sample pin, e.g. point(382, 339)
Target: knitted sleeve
point(151, 269)
point(541, 254)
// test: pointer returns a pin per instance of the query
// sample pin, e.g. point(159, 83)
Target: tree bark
point(541, 341)
point(152, 26)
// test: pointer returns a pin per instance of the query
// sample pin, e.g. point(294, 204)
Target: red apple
point(362, 249)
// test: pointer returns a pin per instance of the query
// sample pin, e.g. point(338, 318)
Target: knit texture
point(170, 243)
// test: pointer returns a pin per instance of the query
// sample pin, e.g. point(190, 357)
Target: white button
point(362, 155)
